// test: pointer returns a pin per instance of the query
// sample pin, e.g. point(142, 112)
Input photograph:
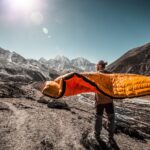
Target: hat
point(102, 62)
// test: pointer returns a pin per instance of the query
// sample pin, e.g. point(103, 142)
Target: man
point(103, 102)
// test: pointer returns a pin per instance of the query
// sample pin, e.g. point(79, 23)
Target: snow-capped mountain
point(14, 67)
point(64, 64)
point(83, 63)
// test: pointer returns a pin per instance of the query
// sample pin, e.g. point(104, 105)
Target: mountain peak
point(42, 59)
point(61, 57)
point(81, 60)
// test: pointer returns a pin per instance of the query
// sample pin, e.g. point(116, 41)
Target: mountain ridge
point(15, 67)
point(136, 60)
point(62, 63)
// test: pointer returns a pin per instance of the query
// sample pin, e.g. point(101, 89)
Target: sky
point(93, 29)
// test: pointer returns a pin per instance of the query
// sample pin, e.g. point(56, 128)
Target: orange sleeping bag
point(114, 85)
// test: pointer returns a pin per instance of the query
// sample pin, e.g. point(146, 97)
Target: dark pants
point(109, 108)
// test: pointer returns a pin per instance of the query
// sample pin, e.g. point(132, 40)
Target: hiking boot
point(97, 137)
point(111, 142)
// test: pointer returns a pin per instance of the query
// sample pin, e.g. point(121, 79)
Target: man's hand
point(39, 85)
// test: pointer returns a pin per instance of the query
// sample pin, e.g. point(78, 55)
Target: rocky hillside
point(30, 121)
point(136, 60)
point(14, 67)
point(63, 64)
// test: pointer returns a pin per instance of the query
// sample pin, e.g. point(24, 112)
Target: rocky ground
point(29, 121)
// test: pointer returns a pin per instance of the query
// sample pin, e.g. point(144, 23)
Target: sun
point(23, 5)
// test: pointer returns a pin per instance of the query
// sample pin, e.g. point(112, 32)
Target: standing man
point(103, 102)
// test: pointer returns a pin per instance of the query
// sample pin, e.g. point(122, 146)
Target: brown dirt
point(28, 125)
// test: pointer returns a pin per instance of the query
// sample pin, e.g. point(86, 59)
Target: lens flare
point(45, 30)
